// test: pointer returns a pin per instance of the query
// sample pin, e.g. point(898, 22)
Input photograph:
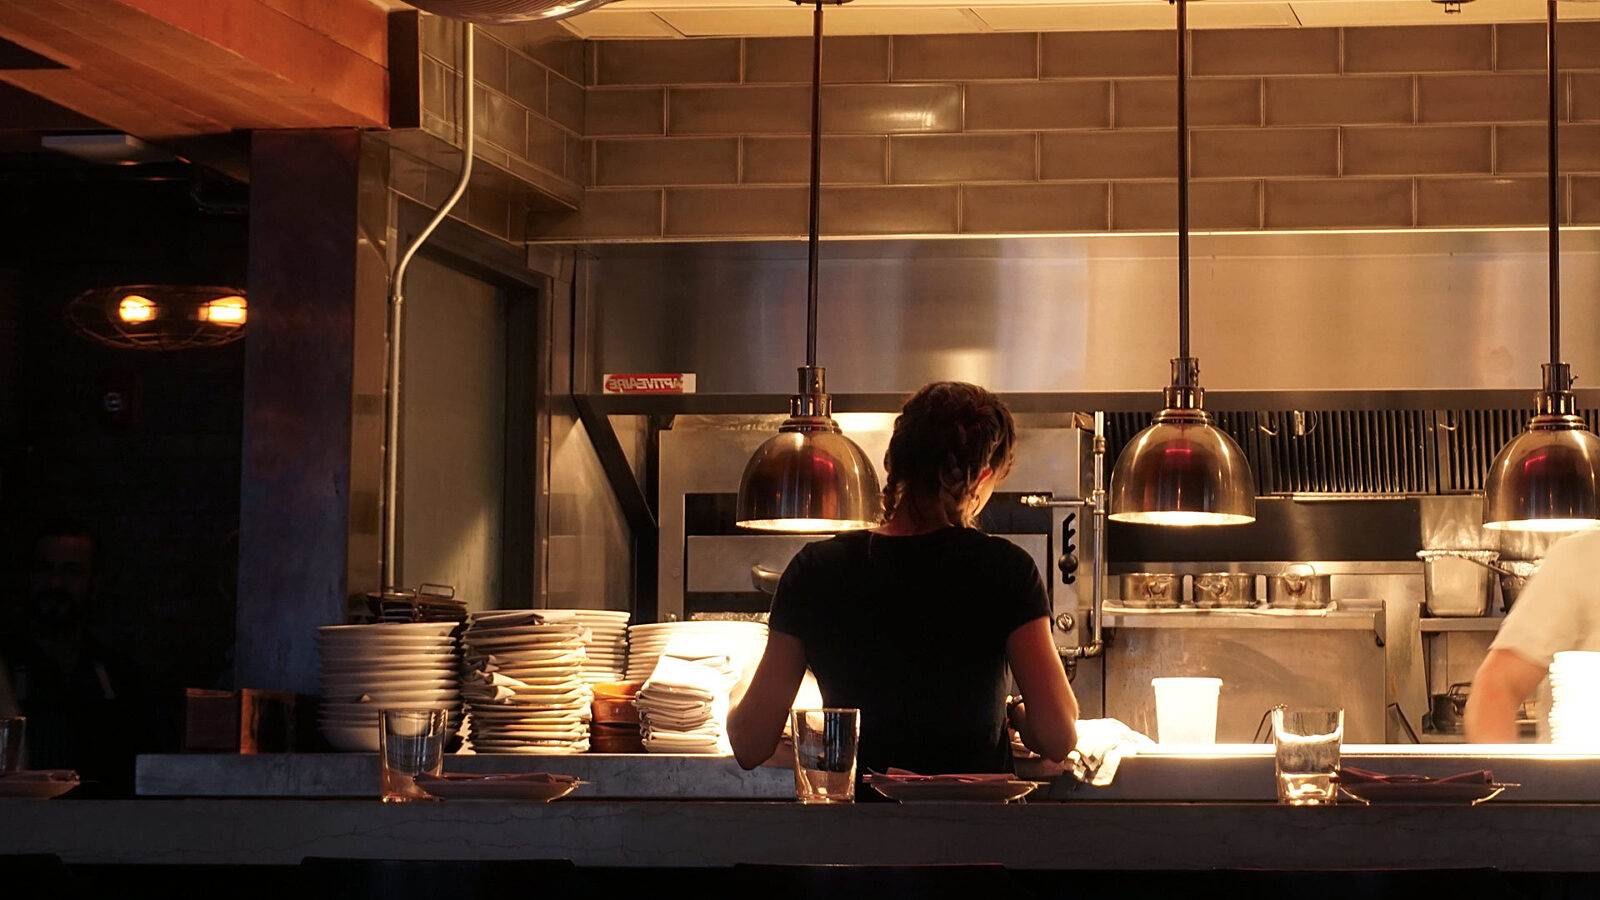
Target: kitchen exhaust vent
point(1470, 438)
point(1361, 453)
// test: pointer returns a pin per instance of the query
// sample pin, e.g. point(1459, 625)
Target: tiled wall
point(529, 98)
point(1007, 133)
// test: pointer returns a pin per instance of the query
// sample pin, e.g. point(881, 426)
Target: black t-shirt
point(912, 631)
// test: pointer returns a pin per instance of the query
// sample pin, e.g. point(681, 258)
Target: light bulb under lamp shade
point(1545, 479)
point(1182, 470)
point(808, 478)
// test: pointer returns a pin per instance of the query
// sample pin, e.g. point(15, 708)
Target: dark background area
point(158, 481)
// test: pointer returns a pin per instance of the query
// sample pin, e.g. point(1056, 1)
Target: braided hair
point(944, 438)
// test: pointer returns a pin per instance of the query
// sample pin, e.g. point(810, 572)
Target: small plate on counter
point(906, 788)
point(537, 787)
point(38, 784)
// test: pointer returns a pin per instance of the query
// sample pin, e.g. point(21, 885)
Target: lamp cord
point(1551, 73)
point(815, 247)
point(1183, 178)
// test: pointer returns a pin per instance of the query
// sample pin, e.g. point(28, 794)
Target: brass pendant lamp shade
point(809, 477)
point(1548, 477)
point(1183, 470)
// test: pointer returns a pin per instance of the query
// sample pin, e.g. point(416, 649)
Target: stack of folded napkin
point(683, 707)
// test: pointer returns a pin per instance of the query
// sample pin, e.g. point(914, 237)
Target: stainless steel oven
point(710, 567)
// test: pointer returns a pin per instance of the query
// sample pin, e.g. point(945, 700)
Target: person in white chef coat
point(1558, 609)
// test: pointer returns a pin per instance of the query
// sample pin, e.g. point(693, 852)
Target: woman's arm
point(757, 719)
point(1502, 682)
point(1048, 722)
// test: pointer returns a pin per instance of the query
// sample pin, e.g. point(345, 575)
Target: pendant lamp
point(1545, 479)
point(809, 477)
point(1183, 470)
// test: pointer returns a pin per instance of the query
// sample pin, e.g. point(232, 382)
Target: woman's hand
point(1050, 727)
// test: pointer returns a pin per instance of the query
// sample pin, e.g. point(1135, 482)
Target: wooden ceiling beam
point(174, 68)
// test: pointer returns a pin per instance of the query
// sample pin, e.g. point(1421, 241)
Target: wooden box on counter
point(248, 721)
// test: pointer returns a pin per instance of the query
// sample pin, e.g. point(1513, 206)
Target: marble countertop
point(1064, 835)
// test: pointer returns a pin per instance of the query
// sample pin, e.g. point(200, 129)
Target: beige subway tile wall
point(530, 102)
point(1427, 126)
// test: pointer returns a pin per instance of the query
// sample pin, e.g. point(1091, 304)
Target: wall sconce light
point(160, 316)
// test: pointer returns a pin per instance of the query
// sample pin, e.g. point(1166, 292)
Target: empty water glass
point(410, 743)
point(11, 732)
point(825, 754)
point(1306, 744)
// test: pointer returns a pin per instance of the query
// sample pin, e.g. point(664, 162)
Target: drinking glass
point(11, 731)
point(410, 743)
point(825, 754)
point(1306, 744)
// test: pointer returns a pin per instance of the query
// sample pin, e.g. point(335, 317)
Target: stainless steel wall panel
point(1279, 312)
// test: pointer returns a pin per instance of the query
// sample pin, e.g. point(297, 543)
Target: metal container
point(1225, 590)
point(1514, 575)
point(1151, 590)
point(1299, 586)
point(1460, 583)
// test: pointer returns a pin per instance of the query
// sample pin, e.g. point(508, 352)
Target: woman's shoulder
point(994, 548)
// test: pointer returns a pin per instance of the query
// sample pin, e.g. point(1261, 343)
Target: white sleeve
point(1554, 611)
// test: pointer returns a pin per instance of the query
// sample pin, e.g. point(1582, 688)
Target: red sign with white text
point(668, 383)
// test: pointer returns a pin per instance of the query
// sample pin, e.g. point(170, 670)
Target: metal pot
point(1458, 582)
point(1446, 710)
point(1150, 590)
point(1225, 590)
point(1299, 586)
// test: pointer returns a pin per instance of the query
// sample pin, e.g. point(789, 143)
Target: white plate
point(393, 698)
point(403, 629)
point(428, 683)
point(349, 706)
point(401, 657)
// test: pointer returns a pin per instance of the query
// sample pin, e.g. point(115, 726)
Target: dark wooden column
point(313, 397)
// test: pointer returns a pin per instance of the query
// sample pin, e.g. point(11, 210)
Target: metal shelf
point(1358, 619)
point(1474, 623)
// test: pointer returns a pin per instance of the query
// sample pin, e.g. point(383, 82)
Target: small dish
point(937, 789)
point(39, 784)
point(1469, 788)
point(536, 787)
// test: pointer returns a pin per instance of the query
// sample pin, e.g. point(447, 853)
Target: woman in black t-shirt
point(916, 621)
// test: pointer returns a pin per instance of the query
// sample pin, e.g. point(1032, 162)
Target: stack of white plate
point(522, 681)
point(1575, 691)
point(743, 642)
point(606, 644)
point(366, 668)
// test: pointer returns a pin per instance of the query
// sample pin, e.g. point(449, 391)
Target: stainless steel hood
point(1368, 320)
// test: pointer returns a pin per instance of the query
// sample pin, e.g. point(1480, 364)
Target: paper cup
point(1186, 710)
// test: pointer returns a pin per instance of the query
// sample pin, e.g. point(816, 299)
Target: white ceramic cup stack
point(743, 642)
point(1575, 698)
point(522, 681)
point(366, 668)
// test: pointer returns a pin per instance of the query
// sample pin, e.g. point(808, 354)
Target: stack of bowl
point(615, 728)
point(366, 668)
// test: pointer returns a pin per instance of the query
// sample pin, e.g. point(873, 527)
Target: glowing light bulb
point(229, 312)
point(135, 308)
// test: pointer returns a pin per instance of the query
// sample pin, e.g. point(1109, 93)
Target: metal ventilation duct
point(507, 12)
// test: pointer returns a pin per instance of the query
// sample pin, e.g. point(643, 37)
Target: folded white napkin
point(1102, 745)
